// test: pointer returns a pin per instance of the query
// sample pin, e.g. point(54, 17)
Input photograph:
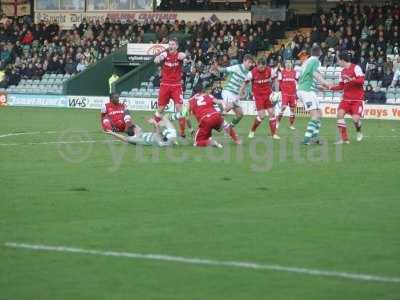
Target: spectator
point(375, 96)
point(330, 58)
point(387, 78)
point(331, 41)
point(233, 52)
point(369, 93)
point(287, 53)
point(3, 78)
point(251, 46)
point(81, 66)
point(70, 66)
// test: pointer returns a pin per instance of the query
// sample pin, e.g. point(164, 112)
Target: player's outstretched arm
point(338, 87)
point(318, 76)
point(216, 69)
point(181, 56)
point(160, 58)
point(118, 136)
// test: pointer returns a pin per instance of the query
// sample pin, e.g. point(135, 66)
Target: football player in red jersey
point(202, 106)
point(116, 117)
point(287, 85)
point(261, 78)
point(171, 82)
point(351, 81)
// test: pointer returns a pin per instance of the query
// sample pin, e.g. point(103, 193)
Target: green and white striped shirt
point(236, 77)
point(307, 82)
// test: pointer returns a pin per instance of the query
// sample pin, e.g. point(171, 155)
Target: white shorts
point(309, 100)
point(230, 98)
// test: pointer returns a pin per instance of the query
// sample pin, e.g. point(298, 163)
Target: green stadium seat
point(373, 83)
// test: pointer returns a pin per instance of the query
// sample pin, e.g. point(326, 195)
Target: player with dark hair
point(351, 82)
point(306, 91)
point(171, 81)
point(261, 78)
point(116, 117)
point(202, 106)
point(230, 92)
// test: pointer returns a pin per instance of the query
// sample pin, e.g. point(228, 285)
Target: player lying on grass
point(310, 77)
point(163, 135)
point(261, 78)
point(351, 81)
point(202, 106)
point(116, 117)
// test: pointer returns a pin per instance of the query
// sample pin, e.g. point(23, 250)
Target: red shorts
point(263, 102)
point(289, 100)
point(352, 107)
point(207, 124)
point(117, 125)
point(170, 91)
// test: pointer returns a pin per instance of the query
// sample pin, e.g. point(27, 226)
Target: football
point(275, 97)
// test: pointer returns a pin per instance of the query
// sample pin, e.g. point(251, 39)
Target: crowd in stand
point(29, 50)
point(195, 5)
point(371, 34)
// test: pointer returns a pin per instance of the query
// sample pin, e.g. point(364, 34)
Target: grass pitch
point(326, 208)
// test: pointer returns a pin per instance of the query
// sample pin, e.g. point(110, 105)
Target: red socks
point(257, 122)
point(182, 125)
point(272, 125)
point(233, 135)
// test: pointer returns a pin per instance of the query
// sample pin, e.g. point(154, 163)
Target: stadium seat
point(391, 101)
point(391, 95)
point(373, 83)
point(330, 69)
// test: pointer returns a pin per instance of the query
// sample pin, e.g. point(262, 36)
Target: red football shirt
point(116, 112)
point(287, 82)
point(171, 70)
point(261, 81)
point(201, 105)
point(351, 81)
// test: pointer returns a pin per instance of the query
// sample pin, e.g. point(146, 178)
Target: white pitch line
point(208, 262)
point(19, 133)
point(26, 133)
point(62, 142)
